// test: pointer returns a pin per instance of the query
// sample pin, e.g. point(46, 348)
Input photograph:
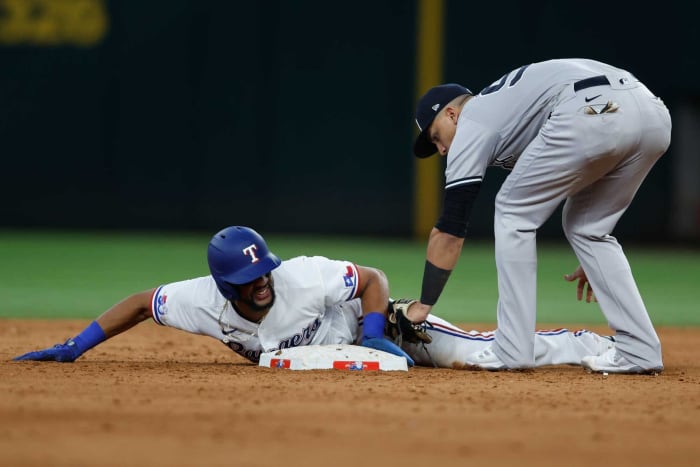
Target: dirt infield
point(160, 397)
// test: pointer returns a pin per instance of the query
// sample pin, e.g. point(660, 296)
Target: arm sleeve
point(340, 279)
point(456, 209)
point(192, 305)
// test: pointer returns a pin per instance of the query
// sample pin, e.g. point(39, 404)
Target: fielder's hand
point(401, 329)
point(582, 284)
point(58, 353)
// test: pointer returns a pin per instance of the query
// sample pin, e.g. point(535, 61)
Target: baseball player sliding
point(255, 303)
point(571, 130)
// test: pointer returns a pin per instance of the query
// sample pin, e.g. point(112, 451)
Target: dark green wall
point(291, 116)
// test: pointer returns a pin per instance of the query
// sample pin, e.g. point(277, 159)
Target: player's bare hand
point(418, 312)
point(583, 284)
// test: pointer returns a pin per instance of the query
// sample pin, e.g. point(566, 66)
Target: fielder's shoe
point(603, 343)
point(485, 360)
point(612, 362)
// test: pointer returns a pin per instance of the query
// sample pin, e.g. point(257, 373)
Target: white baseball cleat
point(485, 360)
point(612, 362)
point(603, 343)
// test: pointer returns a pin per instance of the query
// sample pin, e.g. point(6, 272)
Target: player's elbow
point(380, 278)
point(375, 278)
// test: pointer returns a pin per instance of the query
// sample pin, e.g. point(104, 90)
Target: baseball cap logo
point(250, 251)
point(435, 107)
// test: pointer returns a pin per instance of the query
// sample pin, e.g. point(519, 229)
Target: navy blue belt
point(590, 82)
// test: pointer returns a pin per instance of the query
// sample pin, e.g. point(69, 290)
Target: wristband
point(88, 338)
point(434, 280)
point(373, 325)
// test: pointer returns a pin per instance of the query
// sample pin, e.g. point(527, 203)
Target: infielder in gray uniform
point(571, 130)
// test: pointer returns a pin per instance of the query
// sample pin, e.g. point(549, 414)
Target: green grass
point(80, 274)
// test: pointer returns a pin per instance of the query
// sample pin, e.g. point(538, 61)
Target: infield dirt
point(160, 397)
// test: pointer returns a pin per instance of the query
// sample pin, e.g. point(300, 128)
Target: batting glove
point(72, 349)
point(67, 352)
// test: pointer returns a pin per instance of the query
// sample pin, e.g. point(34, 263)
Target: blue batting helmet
point(238, 255)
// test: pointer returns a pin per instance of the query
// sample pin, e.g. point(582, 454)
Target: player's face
point(442, 130)
point(258, 295)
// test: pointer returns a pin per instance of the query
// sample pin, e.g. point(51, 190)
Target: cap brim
point(423, 148)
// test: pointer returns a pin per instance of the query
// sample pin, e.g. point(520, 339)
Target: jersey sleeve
point(190, 305)
point(470, 154)
point(340, 279)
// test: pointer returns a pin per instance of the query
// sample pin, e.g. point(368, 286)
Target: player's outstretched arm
point(373, 290)
point(119, 318)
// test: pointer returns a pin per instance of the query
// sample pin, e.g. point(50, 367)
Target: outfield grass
point(80, 274)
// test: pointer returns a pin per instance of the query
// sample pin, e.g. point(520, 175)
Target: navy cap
point(427, 108)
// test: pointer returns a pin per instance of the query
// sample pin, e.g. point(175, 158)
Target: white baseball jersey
point(314, 304)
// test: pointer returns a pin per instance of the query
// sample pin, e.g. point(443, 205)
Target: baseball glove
point(401, 329)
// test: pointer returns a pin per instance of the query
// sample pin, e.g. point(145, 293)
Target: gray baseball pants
point(596, 162)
